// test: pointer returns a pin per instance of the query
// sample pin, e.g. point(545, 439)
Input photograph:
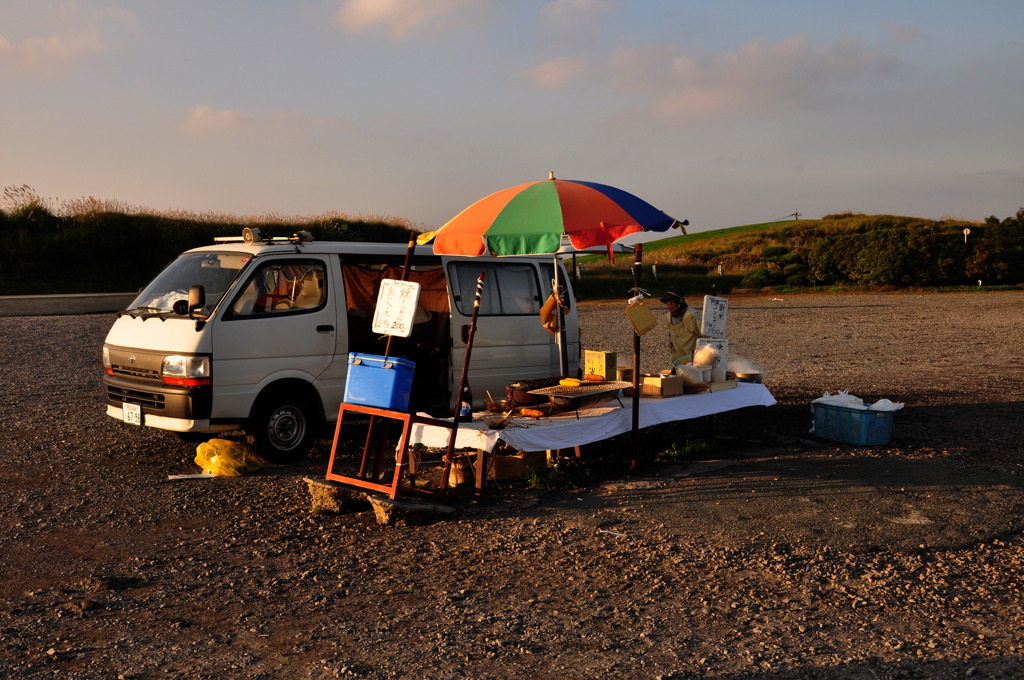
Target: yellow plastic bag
point(225, 458)
point(549, 314)
point(641, 317)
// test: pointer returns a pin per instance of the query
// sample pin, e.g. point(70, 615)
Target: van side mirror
point(196, 299)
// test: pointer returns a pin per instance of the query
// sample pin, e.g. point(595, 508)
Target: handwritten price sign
point(396, 307)
point(716, 317)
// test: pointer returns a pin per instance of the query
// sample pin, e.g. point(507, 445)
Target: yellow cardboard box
point(596, 362)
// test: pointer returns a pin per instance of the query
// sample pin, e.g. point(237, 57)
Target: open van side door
point(510, 343)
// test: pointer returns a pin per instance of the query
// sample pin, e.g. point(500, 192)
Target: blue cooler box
point(852, 425)
point(384, 382)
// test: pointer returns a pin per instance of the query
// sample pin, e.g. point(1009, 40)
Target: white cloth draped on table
point(565, 431)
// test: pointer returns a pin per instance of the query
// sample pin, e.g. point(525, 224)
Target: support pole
point(450, 455)
point(378, 455)
point(563, 348)
point(637, 261)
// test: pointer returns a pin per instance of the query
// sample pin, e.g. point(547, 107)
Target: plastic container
point(384, 382)
point(852, 425)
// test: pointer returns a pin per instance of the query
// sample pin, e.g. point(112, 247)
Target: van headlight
point(187, 371)
point(107, 366)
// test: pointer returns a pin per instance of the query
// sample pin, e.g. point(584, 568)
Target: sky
point(724, 113)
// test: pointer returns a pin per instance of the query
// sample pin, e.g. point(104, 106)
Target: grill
point(576, 397)
point(136, 372)
point(150, 400)
point(584, 390)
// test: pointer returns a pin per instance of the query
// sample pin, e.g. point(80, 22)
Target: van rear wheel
point(280, 427)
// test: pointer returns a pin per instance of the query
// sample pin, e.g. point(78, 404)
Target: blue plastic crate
point(384, 382)
point(852, 425)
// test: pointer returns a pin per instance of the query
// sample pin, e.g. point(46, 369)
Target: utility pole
point(796, 214)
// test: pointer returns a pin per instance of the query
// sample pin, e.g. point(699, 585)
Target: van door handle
point(324, 328)
point(465, 334)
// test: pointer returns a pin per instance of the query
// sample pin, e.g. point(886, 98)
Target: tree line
point(888, 251)
point(91, 246)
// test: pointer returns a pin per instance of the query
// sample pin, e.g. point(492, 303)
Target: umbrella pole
point(450, 454)
point(563, 351)
point(637, 260)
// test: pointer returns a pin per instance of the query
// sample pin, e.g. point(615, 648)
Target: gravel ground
point(783, 556)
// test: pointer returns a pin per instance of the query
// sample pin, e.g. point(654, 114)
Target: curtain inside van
point(363, 281)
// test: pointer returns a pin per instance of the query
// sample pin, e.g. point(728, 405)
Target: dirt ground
point(777, 555)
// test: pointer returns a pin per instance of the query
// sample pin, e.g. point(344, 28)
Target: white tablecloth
point(565, 431)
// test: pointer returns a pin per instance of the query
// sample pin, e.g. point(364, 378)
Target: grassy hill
point(838, 251)
point(92, 246)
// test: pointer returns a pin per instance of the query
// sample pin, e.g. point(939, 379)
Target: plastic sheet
point(224, 458)
point(844, 398)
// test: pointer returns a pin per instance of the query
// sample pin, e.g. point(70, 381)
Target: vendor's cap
point(673, 294)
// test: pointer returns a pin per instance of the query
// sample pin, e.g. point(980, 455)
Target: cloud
point(760, 77)
point(67, 35)
point(47, 55)
point(573, 13)
point(902, 32)
point(399, 18)
point(205, 121)
point(555, 73)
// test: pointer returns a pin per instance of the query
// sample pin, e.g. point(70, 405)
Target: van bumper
point(159, 402)
point(175, 424)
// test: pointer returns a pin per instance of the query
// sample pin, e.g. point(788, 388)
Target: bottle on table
point(466, 404)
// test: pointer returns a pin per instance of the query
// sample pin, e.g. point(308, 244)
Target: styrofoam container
point(852, 425)
point(690, 374)
point(384, 382)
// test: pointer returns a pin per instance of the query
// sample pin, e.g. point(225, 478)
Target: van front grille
point(136, 372)
point(148, 400)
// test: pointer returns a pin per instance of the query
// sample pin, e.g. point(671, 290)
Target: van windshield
point(213, 271)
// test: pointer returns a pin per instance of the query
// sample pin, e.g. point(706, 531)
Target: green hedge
point(110, 252)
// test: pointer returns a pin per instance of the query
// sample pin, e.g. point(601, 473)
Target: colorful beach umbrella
point(532, 218)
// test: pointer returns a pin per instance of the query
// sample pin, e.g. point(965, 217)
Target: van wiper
point(144, 312)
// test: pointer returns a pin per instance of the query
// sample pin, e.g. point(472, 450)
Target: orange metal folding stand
point(373, 453)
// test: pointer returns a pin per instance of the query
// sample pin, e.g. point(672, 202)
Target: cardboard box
point(722, 385)
point(384, 382)
point(655, 385)
point(516, 467)
point(599, 363)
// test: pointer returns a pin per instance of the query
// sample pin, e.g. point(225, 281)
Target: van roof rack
point(252, 235)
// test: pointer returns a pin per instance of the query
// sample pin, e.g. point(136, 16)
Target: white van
point(254, 334)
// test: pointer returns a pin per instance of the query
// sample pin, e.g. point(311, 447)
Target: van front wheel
point(280, 428)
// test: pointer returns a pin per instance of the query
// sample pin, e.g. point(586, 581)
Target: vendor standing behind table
point(683, 325)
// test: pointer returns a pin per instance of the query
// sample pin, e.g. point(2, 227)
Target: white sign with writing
point(396, 307)
point(715, 317)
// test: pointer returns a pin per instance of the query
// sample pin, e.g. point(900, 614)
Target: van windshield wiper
point(144, 312)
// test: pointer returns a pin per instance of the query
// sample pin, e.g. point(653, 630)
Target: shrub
point(774, 254)
point(759, 278)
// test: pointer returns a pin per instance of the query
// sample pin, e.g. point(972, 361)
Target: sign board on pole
point(715, 317)
point(396, 307)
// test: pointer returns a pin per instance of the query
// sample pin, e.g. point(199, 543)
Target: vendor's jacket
point(683, 336)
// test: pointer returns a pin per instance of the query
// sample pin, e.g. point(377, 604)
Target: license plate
point(132, 414)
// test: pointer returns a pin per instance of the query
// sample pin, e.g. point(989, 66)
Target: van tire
point(281, 426)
